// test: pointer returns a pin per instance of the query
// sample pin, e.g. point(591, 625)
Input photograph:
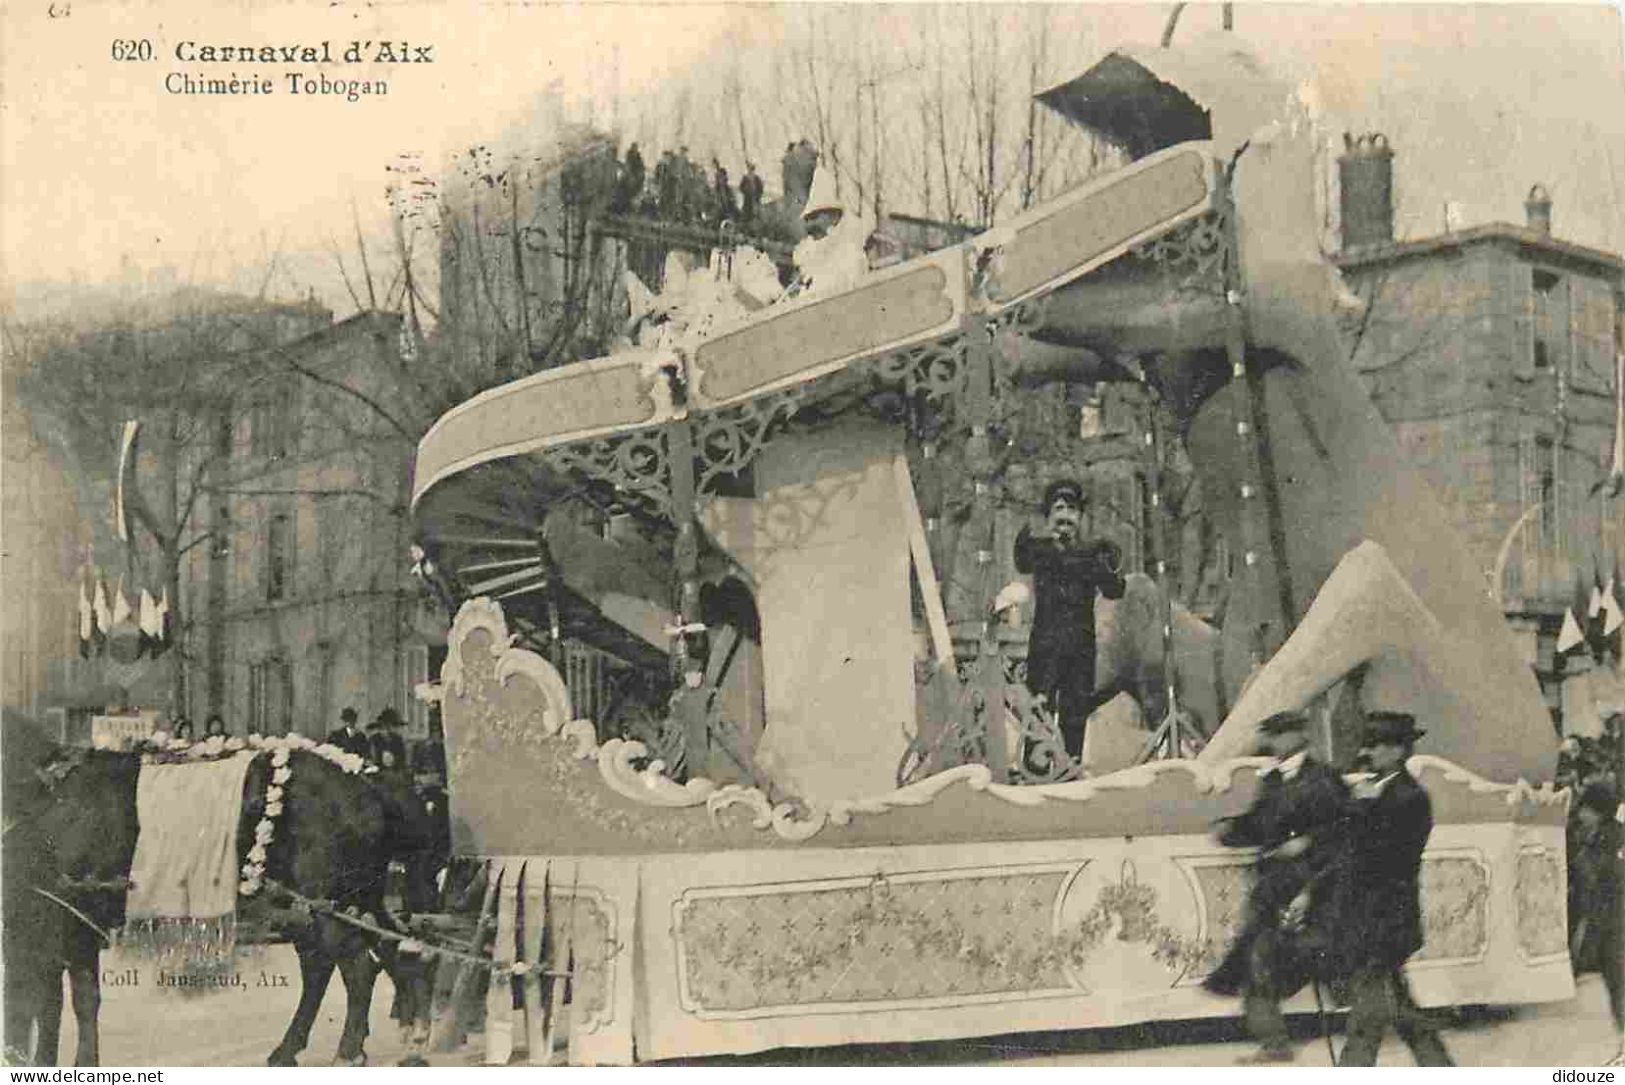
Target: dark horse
point(67, 813)
point(335, 839)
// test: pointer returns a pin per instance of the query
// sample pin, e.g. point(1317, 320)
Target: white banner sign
point(116, 732)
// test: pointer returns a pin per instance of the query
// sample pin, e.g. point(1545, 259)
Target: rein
point(409, 942)
point(106, 938)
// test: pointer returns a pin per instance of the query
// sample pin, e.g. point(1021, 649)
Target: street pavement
point(144, 1025)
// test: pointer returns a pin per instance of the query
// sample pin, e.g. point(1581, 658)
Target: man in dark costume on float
point(1067, 570)
point(1295, 821)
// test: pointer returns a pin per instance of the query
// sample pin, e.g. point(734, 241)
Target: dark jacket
point(1065, 580)
point(351, 740)
point(1596, 866)
point(429, 759)
point(750, 191)
point(1379, 911)
point(389, 742)
point(1314, 803)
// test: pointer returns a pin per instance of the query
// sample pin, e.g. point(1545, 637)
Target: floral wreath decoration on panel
point(648, 786)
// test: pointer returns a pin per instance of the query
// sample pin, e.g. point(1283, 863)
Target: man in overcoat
point(1294, 820)
point(1379, 922)
point(750, 192)
point(1067, 570)
point(349, 737)
point(1596, 918)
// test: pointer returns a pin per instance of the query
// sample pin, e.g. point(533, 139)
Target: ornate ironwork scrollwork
point(727, 442)
point(1040, 755)
point(938, 369)
point(1193, 255)
point(635, 464)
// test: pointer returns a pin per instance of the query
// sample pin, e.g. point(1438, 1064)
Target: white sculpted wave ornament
point(618, 759)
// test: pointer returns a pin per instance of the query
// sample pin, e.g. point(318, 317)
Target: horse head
point(90, 824)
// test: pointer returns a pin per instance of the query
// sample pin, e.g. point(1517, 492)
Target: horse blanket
point(183, 901)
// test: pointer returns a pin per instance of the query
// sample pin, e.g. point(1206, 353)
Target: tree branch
point(320, 378)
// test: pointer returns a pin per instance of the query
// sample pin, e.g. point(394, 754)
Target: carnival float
point(758, 509)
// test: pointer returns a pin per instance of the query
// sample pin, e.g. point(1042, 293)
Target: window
point(1546, 324)
point(1546, 463)
point(273, 421)
point(270, 696)
point(332, 516)
point(326, 660)
point(278, 557)
point(415, 670)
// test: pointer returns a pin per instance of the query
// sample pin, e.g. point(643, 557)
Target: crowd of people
point(682, 189)
point(382, 742)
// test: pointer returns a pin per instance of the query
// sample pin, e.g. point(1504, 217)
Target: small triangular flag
point(121, 605)
point(149, 623)
point(1612, 616)
point(1594, 608)
point(1570, 636)
point(104, 614)
point(87, 621)
point(160, 642)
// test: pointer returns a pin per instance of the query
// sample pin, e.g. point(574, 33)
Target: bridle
point(51, 775)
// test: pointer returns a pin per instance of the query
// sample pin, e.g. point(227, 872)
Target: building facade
point(61, 427)
point(1492, 351)
point(45, 543)
point(303, 599)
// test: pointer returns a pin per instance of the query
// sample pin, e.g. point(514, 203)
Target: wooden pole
point(689, 646)
point(979, 458)
point(936, 617)
point(1256, 425)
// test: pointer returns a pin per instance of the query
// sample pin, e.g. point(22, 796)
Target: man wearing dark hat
point(750, 192)
point(1067, 570)
point(1293, 820)
point(1379, 899)
point(349, 737)
point(1596, 865)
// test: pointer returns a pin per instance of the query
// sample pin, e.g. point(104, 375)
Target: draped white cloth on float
point(183, 901)
point(825, 547)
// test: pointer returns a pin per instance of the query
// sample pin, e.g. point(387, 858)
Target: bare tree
point(177, 367)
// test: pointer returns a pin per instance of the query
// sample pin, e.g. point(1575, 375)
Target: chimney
point(1365, 174)
point(1538, 206)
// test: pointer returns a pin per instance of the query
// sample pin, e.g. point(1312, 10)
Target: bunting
point(103, 613)
point(164, 629)
point(148, 622)
point(126, 625)
point(1569, 637)
point(121, 605)
point(160, 643)
point(87, 622)
point(124, 640)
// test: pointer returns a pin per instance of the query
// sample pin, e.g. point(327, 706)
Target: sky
point(103, 174)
